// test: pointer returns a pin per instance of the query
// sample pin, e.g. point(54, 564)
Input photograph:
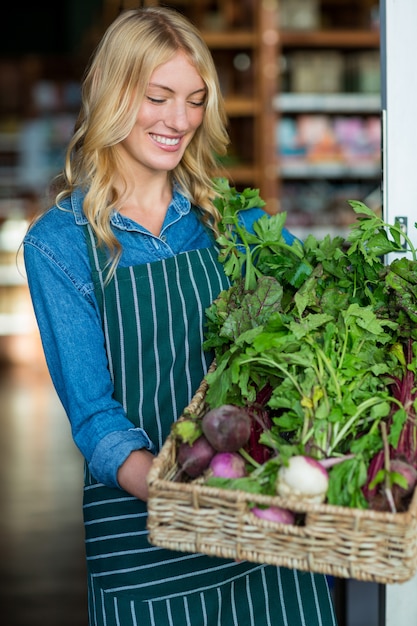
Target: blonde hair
point(114, 86)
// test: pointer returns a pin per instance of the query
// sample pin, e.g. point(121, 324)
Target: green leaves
point(323, 323)
point(229, 201)
point(242, 252)
point(370, 235)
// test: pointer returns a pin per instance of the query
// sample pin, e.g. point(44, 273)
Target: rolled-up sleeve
point(73, 341)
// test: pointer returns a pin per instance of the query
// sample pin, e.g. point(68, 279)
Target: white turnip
point(275, 514)
point(303, 478)
point(227, 427)
point(228, 465)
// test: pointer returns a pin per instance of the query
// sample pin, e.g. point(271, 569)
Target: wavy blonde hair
point(114, 86)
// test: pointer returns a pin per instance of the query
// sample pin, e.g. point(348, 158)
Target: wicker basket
point(343, 542)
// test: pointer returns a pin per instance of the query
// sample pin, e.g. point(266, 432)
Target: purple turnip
point(228, 465)
point(194, 458)
point(227, 427)
point(383, 491)
point(303, 478)
point(408, 472)
point(275, 514)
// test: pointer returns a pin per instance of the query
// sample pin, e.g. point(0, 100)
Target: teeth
point(166, 140)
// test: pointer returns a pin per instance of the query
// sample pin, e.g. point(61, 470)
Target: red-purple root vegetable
point(195, 458)
point(303, 478)
point(274, 514)
point(377, 496)
point(408, 472)
point(227, 427)
point(228, 465)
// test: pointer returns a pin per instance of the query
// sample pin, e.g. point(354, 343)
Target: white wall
point(399, 102)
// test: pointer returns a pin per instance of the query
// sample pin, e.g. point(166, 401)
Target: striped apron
point(153, 320)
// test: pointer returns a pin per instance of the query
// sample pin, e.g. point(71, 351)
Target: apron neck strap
point(97, 256)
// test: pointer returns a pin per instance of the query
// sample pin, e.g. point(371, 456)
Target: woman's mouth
point(165, 141)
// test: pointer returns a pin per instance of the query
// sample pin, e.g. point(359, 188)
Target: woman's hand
point(132, 474)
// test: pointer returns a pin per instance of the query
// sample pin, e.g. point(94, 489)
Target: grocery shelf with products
point(40, 71)
point(301, 85)
point(328, 105)
point(37, 114)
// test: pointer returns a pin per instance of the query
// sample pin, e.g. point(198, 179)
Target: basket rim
point(156, 483)
point(168, 454)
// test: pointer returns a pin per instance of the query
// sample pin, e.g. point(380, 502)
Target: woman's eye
point(155, 100)
point(193, 103)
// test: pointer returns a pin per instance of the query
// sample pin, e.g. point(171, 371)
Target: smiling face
point(171, 112)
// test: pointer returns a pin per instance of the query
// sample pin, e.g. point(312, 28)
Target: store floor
point(42, 573)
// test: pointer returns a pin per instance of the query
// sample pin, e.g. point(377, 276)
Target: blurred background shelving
point(329, 112)
point(301, 82)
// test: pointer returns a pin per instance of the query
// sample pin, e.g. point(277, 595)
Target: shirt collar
point(179, 204)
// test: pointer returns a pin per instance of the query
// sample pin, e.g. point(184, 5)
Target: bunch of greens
point(322, 336)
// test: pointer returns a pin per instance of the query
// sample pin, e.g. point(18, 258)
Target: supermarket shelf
point(357, 103)
point(337, 38)
point(329, 170)
point(237, 107)
point(242, 174)
point(319, 232)
point(230, 39)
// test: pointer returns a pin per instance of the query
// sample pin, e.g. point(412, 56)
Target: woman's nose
point(177, 117)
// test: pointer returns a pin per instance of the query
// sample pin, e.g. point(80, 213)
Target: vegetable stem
point(249, 459)
point(367, 404)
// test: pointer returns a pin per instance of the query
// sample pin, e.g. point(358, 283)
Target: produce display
point(314, 393)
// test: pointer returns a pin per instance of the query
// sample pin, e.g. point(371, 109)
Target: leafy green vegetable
point(324, 325)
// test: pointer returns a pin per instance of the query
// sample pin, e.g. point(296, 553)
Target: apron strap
point(97, 256)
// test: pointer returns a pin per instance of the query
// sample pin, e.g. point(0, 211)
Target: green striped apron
point(153, 321)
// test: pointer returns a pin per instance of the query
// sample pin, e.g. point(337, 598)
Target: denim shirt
point(67, 313)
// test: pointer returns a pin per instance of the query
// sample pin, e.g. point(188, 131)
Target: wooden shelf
point(330, 170)
point(327, 103)
point(230, 39)
point(238, 107)
point(330, 39)
point(242, 174)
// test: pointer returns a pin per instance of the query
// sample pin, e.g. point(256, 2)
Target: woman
point(121, 271)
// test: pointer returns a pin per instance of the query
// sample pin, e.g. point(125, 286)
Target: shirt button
point(163, 238)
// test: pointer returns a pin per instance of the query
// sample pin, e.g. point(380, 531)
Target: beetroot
point(195, 458)
point(260, 422)
point(227, 427)
point(228, 465)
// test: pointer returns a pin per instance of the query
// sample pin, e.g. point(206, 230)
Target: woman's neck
point(147, 204)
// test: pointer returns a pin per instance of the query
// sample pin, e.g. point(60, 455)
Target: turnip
point(408, 472)
point(390, 489)
point(228, 465)
point(274, 514)
point(194, 458)
point(227, 427)
point(404, 479)
point(304, 478)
